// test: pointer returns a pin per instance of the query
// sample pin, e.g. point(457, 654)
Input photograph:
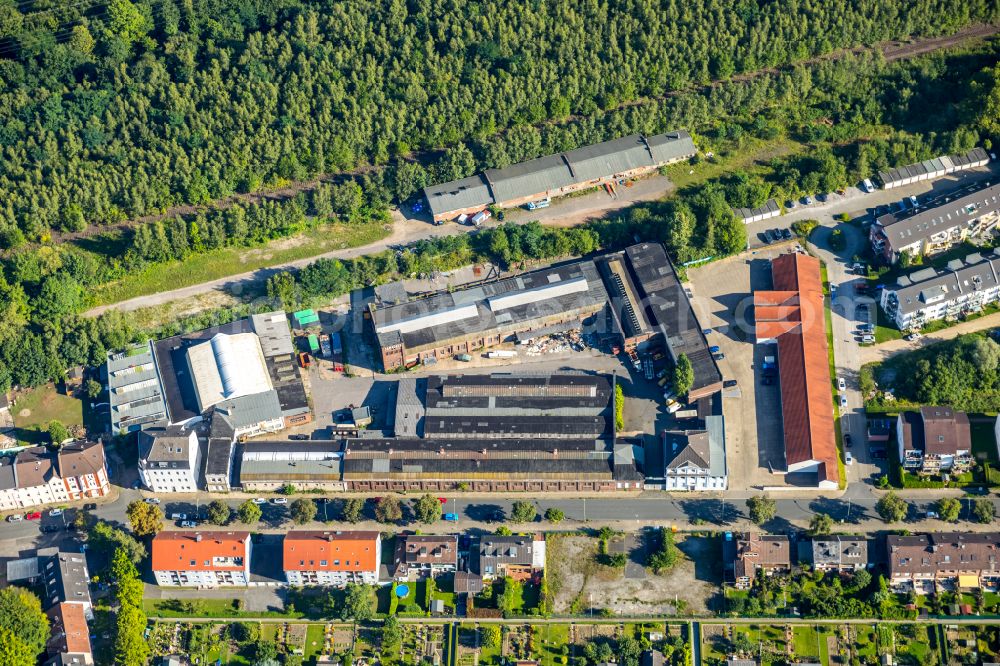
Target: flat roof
point(534, 296)
point(670, 311)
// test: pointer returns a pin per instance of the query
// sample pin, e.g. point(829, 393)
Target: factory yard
point(581, 584)
point(723, 301)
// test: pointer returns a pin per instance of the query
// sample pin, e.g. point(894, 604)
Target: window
point(322, 563)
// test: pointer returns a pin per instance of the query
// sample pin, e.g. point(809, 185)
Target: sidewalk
point(886, 350)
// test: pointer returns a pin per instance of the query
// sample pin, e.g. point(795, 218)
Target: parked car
point(769, 235)
point(152, 500)
point(714, 349)
point(848, 458)
point(188, 523)
point(48, 529)
point(807, 200)
point(298, 437)
point(719, 356)
point(450, 517)
point(178, 516)
point(15, 518)
point(55, 512)
point(841, 384)
point(933, 515)
point(33, 515)
point(913, 336)
point(786, 234)
point(259, 500)
point(843, 401)
point(279, 500)
point(729, 383)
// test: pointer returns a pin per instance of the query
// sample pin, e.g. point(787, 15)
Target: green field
point(40, 406)
point(235, 260)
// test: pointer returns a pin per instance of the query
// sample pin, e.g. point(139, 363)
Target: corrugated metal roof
point(458, 194)
point(542, 293)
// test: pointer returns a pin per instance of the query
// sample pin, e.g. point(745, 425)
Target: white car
point(15, 518)
point(841, 384)
point(152, 500)
point(259, 500)
point(188, 523)
point(279, 500)
point(933, 514)
point(843, 401)
point(55, 512)
point(848, 458)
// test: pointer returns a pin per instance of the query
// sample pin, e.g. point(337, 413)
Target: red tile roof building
point(212, 558)
point(792, 315)
point(70, 635)
point(317, 557)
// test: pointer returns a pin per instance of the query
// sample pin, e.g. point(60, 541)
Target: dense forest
point(111, 109)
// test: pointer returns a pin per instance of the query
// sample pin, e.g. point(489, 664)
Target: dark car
point(719, 356)
point(298, 437)
point(729, 383)
point(497, 516)
point(769, 234)
point(786, 234)
point(763, 237)
point(48, 529)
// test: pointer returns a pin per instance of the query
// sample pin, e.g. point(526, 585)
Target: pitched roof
point(799, 327)
point(34, 467)
point(65, 576)
point(425, 549)
point(209, 550)
point(925, 223)
point(687, 447)
point(943, 552)
point(316, 550)
point(927, 285)
point(465, 582)
point(945, 431)
point(80, 458)
point(167, 446)
point(69, 631)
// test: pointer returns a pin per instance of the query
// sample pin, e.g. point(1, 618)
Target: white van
point(868, 185)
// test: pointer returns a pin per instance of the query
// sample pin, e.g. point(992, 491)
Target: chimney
point(197, 537)
point(329, 537)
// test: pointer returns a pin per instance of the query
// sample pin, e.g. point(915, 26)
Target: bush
point(803, 228)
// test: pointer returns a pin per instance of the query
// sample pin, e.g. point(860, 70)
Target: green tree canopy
point(427, 509)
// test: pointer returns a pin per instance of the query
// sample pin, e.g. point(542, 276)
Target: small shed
point(73, 380)
point(304, 318)
point(362, 416)
point(437, 606)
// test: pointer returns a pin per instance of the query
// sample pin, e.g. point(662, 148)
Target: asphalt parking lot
point(723, 300)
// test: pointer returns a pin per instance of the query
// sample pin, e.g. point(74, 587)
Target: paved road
point(408, 230)
point(623, 511)
point(889, 349)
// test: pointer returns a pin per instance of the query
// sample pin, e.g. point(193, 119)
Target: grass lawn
point(548, 641)
point(234, 260)
point(984, 443)
point(220, 608)
point(41, 405)
point(885, 327)
point(467, 637)
point(738, 157)
point(444, 589)
point(314, 642)
point(808, 642)
point(411, 604)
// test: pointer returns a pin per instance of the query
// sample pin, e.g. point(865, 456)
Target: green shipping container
point(313, 344)
point(303, 318)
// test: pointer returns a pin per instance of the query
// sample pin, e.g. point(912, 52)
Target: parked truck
point(501, 353)
point(480, 217)
point(769, 363)
point(313, 344)
point(324, 345)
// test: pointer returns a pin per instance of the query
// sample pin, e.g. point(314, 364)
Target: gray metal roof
point(539, 176)
point(65, 576)
point(409, 409)
point(977, 273)
point(167, 447)
point(22, 569)
point(458, 194)
point(273, 332)
point(770, 206)
point(249, 410)
point(901, 232)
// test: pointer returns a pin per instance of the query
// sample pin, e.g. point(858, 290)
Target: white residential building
point(928, 295)
point(334, 558)
point(37, 476)
point(695, 459)
point(169, 459)
point(210, 558)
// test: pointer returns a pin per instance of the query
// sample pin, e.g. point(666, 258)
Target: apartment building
point(934, 440)
point(930, 230)
point(840, 553)
point(518, 557)
point(424, 556)
point(210, 558)
point(964, 287)
point(37, 475)
point(335, 558)
point(69, 641)
point(169, 459)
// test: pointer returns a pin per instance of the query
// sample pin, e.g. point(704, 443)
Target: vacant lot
point(579, 583)
point(36, 408)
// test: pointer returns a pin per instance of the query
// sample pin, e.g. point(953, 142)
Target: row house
point(208, 559)
point(518, 557)
point(840, 553)
point(934, 440)
point(38, 475)
point(326, 557)
point(959, 559)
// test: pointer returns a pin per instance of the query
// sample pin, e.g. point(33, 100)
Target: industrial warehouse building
point(636, 291)
point(559, 174)
point(243, 373)
point(485, 315)
point(792, 316)
point(928, 231)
